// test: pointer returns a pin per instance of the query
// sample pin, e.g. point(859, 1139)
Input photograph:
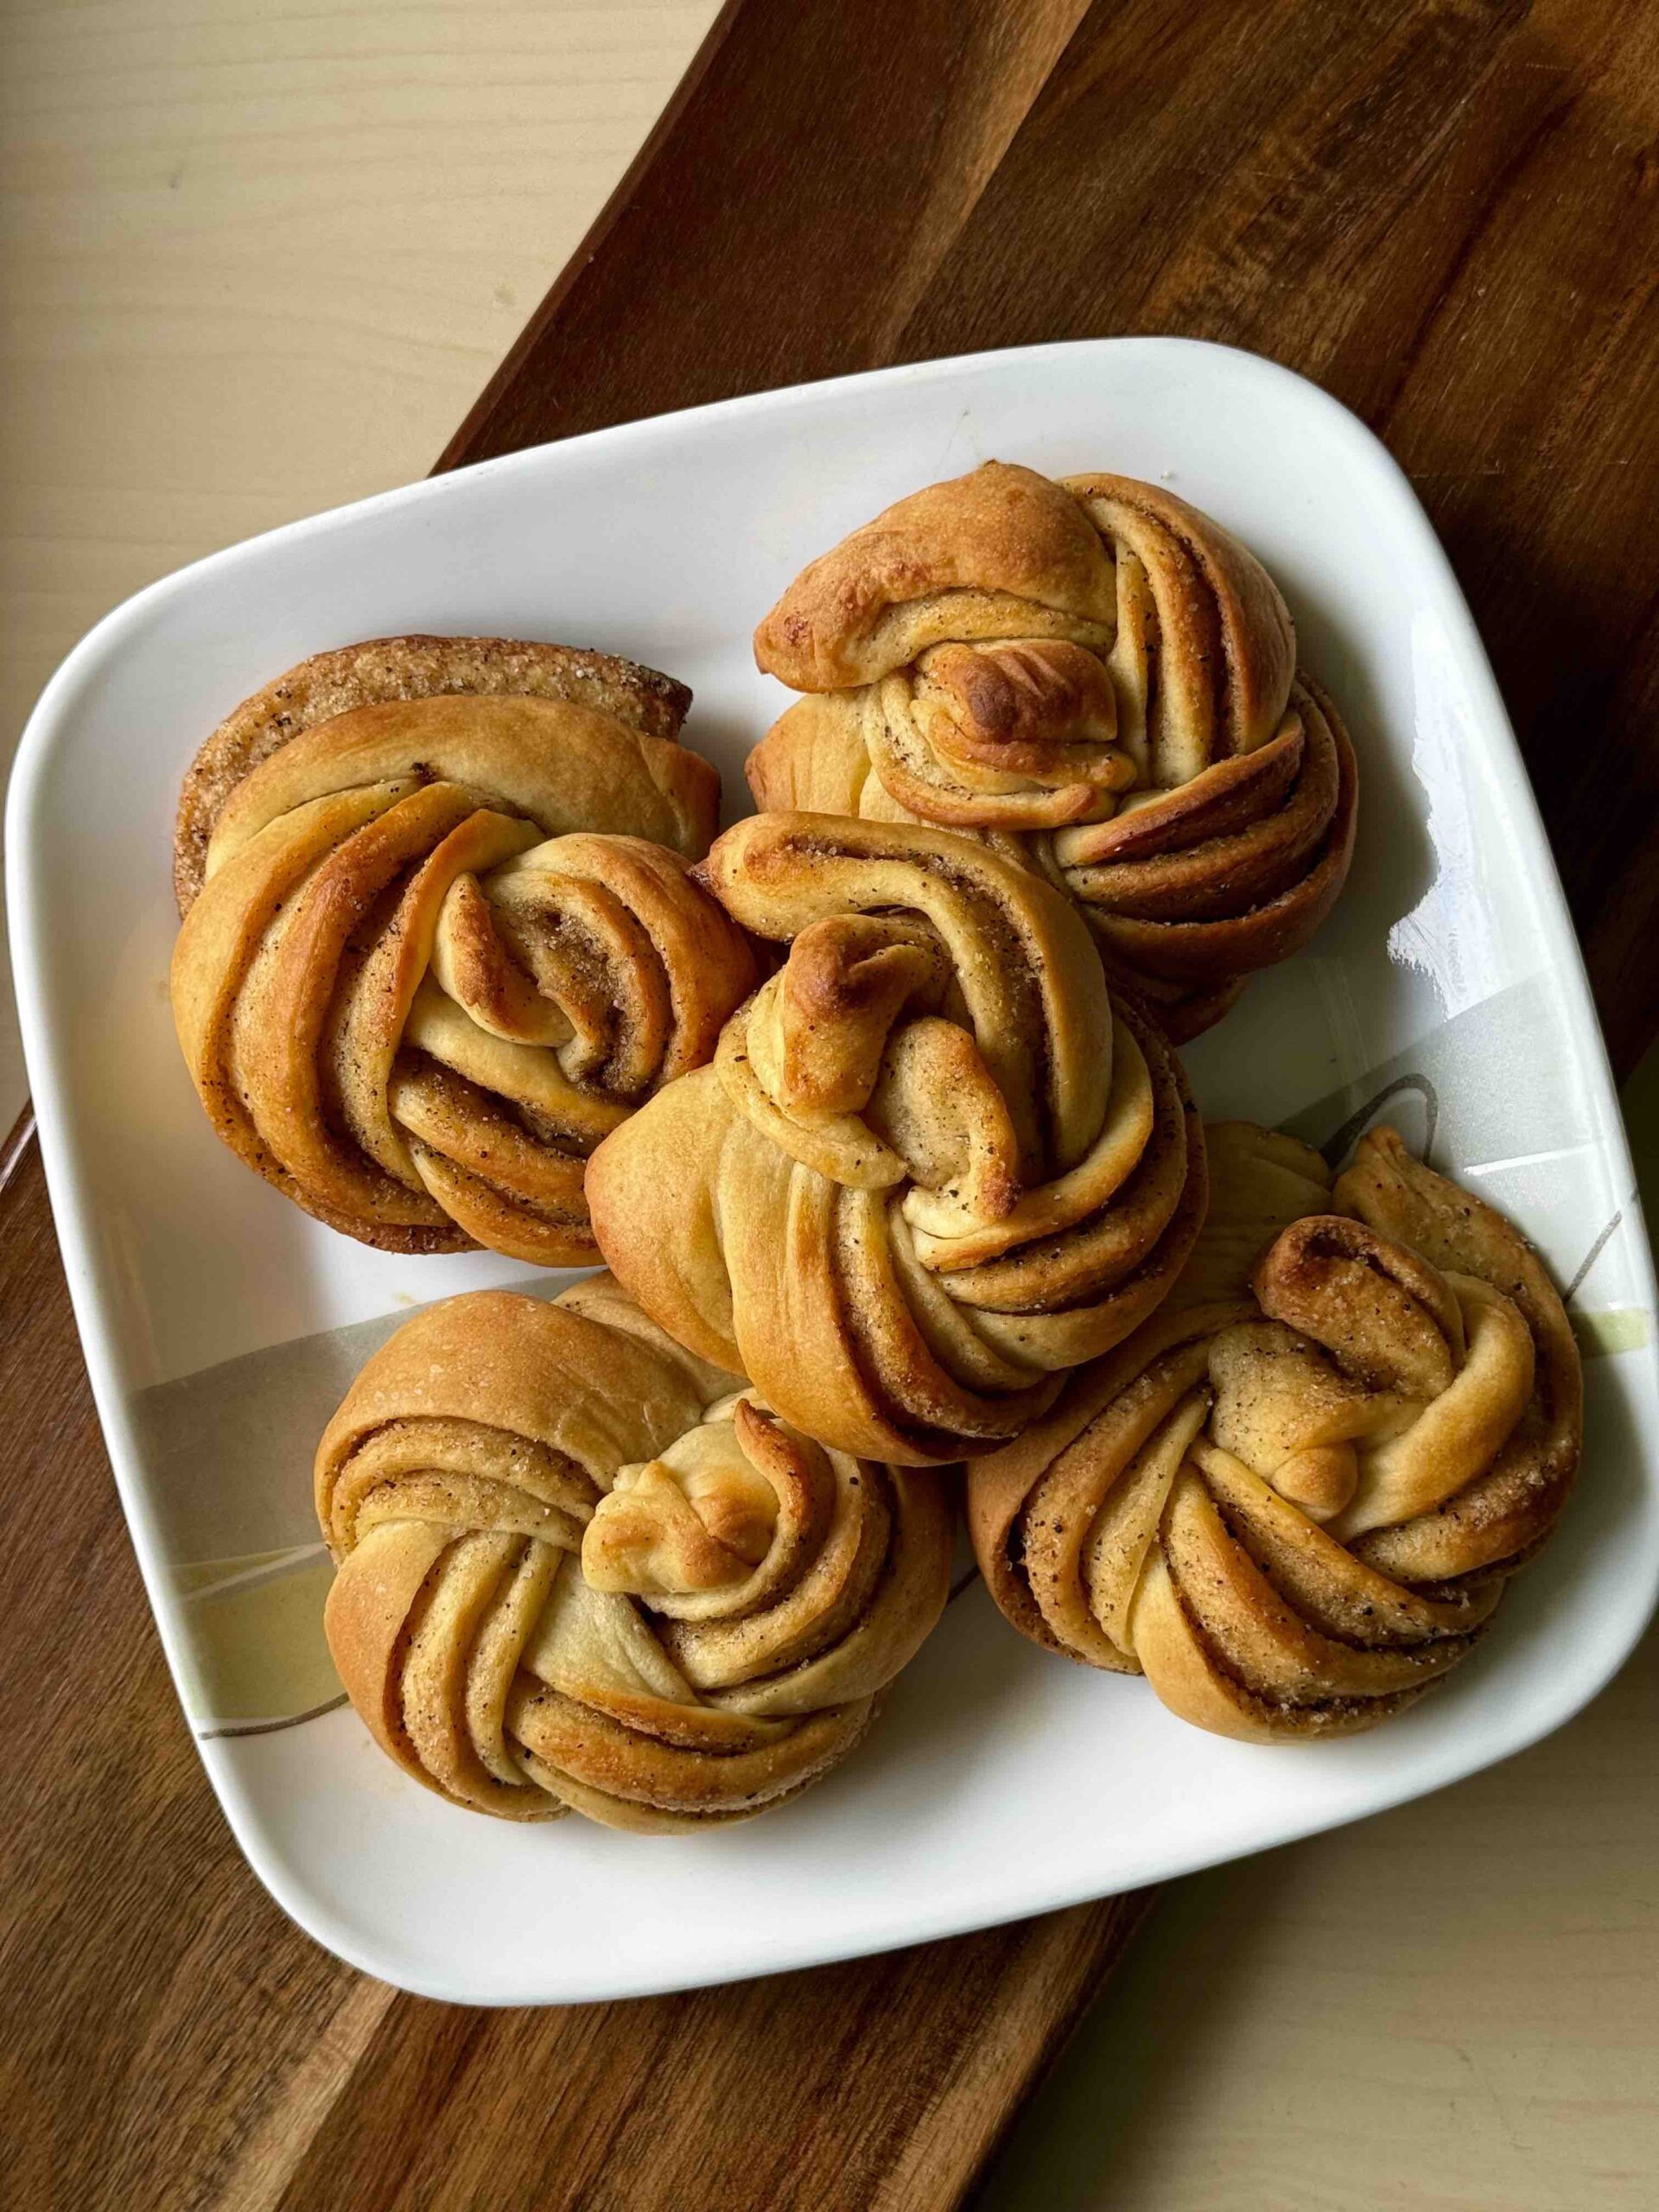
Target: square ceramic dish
point(220, 1324)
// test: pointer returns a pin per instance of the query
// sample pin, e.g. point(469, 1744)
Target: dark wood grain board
point(1449, 215)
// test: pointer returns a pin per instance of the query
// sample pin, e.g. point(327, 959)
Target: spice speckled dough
point(440, 933)
point(1095, 678)
point(933, 1163)
point(1294, 1498)
point(582, 1571)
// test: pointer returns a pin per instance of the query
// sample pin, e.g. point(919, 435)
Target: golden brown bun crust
point(1189, 925)
point(498, 1358)
point(1294, 1498)
point(576, 1574)
point(441, 934)
point(1000, 531)
point(1096, 678)
point(933, 1163)
point(1258, 639)
point(417, 667)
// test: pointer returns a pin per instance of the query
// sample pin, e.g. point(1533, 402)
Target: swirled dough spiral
point(933, 1163)
point(1294, 1498)
point(1094, 676)
point(579, 1570)
point(440, 935)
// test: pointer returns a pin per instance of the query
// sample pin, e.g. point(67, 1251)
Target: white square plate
point(999, 1782)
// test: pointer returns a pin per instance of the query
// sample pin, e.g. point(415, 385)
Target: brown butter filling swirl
point(430, 964)
point(1093, 675)
point(1294, 1498)
point(577, 1573)
point(933, 1163)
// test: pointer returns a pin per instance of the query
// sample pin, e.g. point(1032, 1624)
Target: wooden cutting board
point(1447, 212)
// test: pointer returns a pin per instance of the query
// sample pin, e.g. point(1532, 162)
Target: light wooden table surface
point(257, 259)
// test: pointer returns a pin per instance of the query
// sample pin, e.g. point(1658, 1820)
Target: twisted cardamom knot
point(1095, 677)
point(440, 935)
point(579, 1570)
point(932, 1163)
point(1294, 1498)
